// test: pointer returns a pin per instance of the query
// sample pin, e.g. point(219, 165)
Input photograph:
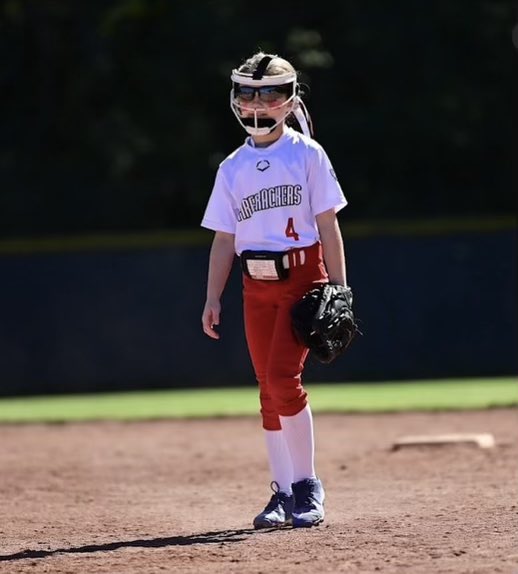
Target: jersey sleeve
point(324, 190)
point(219, 213)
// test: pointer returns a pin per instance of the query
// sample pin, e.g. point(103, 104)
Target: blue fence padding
point(433, 306)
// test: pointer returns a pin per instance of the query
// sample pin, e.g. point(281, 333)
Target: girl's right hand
point(210, 318)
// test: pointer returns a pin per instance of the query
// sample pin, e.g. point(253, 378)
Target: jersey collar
point(249, 142)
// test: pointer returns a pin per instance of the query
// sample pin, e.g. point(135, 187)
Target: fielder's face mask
point(270, 89)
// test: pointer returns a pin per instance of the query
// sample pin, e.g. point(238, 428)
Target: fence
point(95, 316)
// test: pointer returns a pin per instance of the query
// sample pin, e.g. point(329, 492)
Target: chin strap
point(302, 115)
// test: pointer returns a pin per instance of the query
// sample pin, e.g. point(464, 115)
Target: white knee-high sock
point(279, 458)
point(298, 433)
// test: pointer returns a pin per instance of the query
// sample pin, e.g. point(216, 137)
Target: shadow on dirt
point(217, 537)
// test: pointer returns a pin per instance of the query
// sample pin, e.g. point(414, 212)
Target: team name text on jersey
point(269, 198)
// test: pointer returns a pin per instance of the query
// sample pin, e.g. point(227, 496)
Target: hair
point(276, 67)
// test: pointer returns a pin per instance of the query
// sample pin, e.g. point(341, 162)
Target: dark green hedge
point(115, 114)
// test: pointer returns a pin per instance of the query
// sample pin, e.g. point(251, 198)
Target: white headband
point(247, 79)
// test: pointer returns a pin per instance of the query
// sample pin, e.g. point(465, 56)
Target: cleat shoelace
point(276, 498)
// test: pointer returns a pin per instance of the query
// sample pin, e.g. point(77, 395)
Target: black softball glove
point(323, 321)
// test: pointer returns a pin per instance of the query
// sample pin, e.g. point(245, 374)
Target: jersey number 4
point(290, 230)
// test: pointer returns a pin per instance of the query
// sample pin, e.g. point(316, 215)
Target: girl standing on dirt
point(274, 204)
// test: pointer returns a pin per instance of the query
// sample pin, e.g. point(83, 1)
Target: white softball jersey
point(269, 197)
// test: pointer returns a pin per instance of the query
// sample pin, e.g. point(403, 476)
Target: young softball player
point(274, 204)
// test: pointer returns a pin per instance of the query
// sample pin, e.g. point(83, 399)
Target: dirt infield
point(177, 496)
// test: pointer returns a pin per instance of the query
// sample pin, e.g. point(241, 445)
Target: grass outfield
point(455, 394)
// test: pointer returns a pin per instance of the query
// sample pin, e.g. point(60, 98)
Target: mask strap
point(302, 115)
point(261, 68)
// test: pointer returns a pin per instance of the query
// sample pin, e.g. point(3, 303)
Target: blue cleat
point(277, 512)
point(308, 507)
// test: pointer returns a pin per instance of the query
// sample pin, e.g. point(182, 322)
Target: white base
point(482, 440)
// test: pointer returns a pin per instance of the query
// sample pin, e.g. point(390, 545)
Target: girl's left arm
point(333, 246)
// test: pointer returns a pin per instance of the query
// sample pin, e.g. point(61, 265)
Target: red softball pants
point(277, 356)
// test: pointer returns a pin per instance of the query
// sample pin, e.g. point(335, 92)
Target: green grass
point(452, 394)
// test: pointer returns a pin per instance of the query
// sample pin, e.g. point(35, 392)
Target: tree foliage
point(115, 114)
